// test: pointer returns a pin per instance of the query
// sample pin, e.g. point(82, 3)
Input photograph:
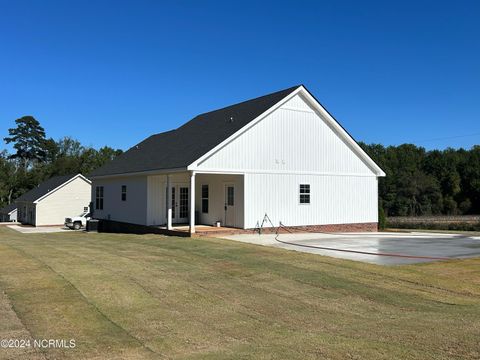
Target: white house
point(53, 200)
point(281, 154)
point(8, 213)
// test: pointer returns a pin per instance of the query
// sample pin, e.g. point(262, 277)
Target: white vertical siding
point(216, 187)
point(156, 204)
point(333, 199)
point(293, 138)
point(156, 200)
point(293, 146)
point(67, 201)
point(133, 210)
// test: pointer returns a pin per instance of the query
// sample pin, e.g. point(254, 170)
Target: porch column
point(192, 202)
point(169, 202)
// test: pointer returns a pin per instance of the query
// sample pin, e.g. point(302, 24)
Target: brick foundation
point(111, 226)
point(333, 228)
point(355, 227)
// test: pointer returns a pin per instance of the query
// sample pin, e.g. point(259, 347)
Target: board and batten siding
point(156, 204)
point(292, 138)
point(69, 200)
point(133, 210)
point(333, 199)
point(216, 198)
point(291, 146)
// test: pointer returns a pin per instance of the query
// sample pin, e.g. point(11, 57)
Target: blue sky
point(114, 72)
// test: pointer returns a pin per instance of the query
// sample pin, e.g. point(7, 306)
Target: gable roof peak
point(196, 137)
point(47, 186)
point(233, 106)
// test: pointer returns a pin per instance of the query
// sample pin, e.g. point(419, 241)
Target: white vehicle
point(77, 222)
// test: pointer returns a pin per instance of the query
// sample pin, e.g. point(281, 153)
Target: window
point(230, 196)
point(124, 192)
point(304, 193)
point(205, 199)
point(99, 198)
point(174, 200)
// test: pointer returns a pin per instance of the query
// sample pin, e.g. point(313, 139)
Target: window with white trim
point(205, 199)
point(99, 197)
point(124, 192)
point(304, 193)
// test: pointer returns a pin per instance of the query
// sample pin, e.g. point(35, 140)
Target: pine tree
point(28, 140)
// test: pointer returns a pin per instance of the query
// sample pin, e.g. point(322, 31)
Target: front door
point(229, 205)
point(183, 204)
point(180, 204)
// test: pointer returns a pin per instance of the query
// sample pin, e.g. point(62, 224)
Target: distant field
point(463, 223)
point(152, 297)
point(472, 219)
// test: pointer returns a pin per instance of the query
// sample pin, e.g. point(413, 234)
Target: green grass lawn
point(148, 296)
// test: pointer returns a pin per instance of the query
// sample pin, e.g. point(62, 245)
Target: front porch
point(196, 202)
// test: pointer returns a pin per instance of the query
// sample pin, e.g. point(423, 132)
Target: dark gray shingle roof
point(7, 209)
point(179, 148)
point(45, 187)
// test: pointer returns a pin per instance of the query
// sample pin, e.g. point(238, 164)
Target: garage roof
point(47, 186)
point(8, 209)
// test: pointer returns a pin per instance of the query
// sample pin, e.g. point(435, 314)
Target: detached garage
point(54, 200)
point(8, 213)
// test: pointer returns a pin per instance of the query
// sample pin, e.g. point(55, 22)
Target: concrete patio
point(411, 248)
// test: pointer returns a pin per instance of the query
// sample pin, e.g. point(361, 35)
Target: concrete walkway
point(435, 245)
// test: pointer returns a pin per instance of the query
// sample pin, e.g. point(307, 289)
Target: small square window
point(304, 193)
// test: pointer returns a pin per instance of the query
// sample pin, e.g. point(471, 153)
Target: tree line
point(421, 182)
point(35, 158)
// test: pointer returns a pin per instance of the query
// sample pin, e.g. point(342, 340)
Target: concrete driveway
point(38, 230)
point(396, 248)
